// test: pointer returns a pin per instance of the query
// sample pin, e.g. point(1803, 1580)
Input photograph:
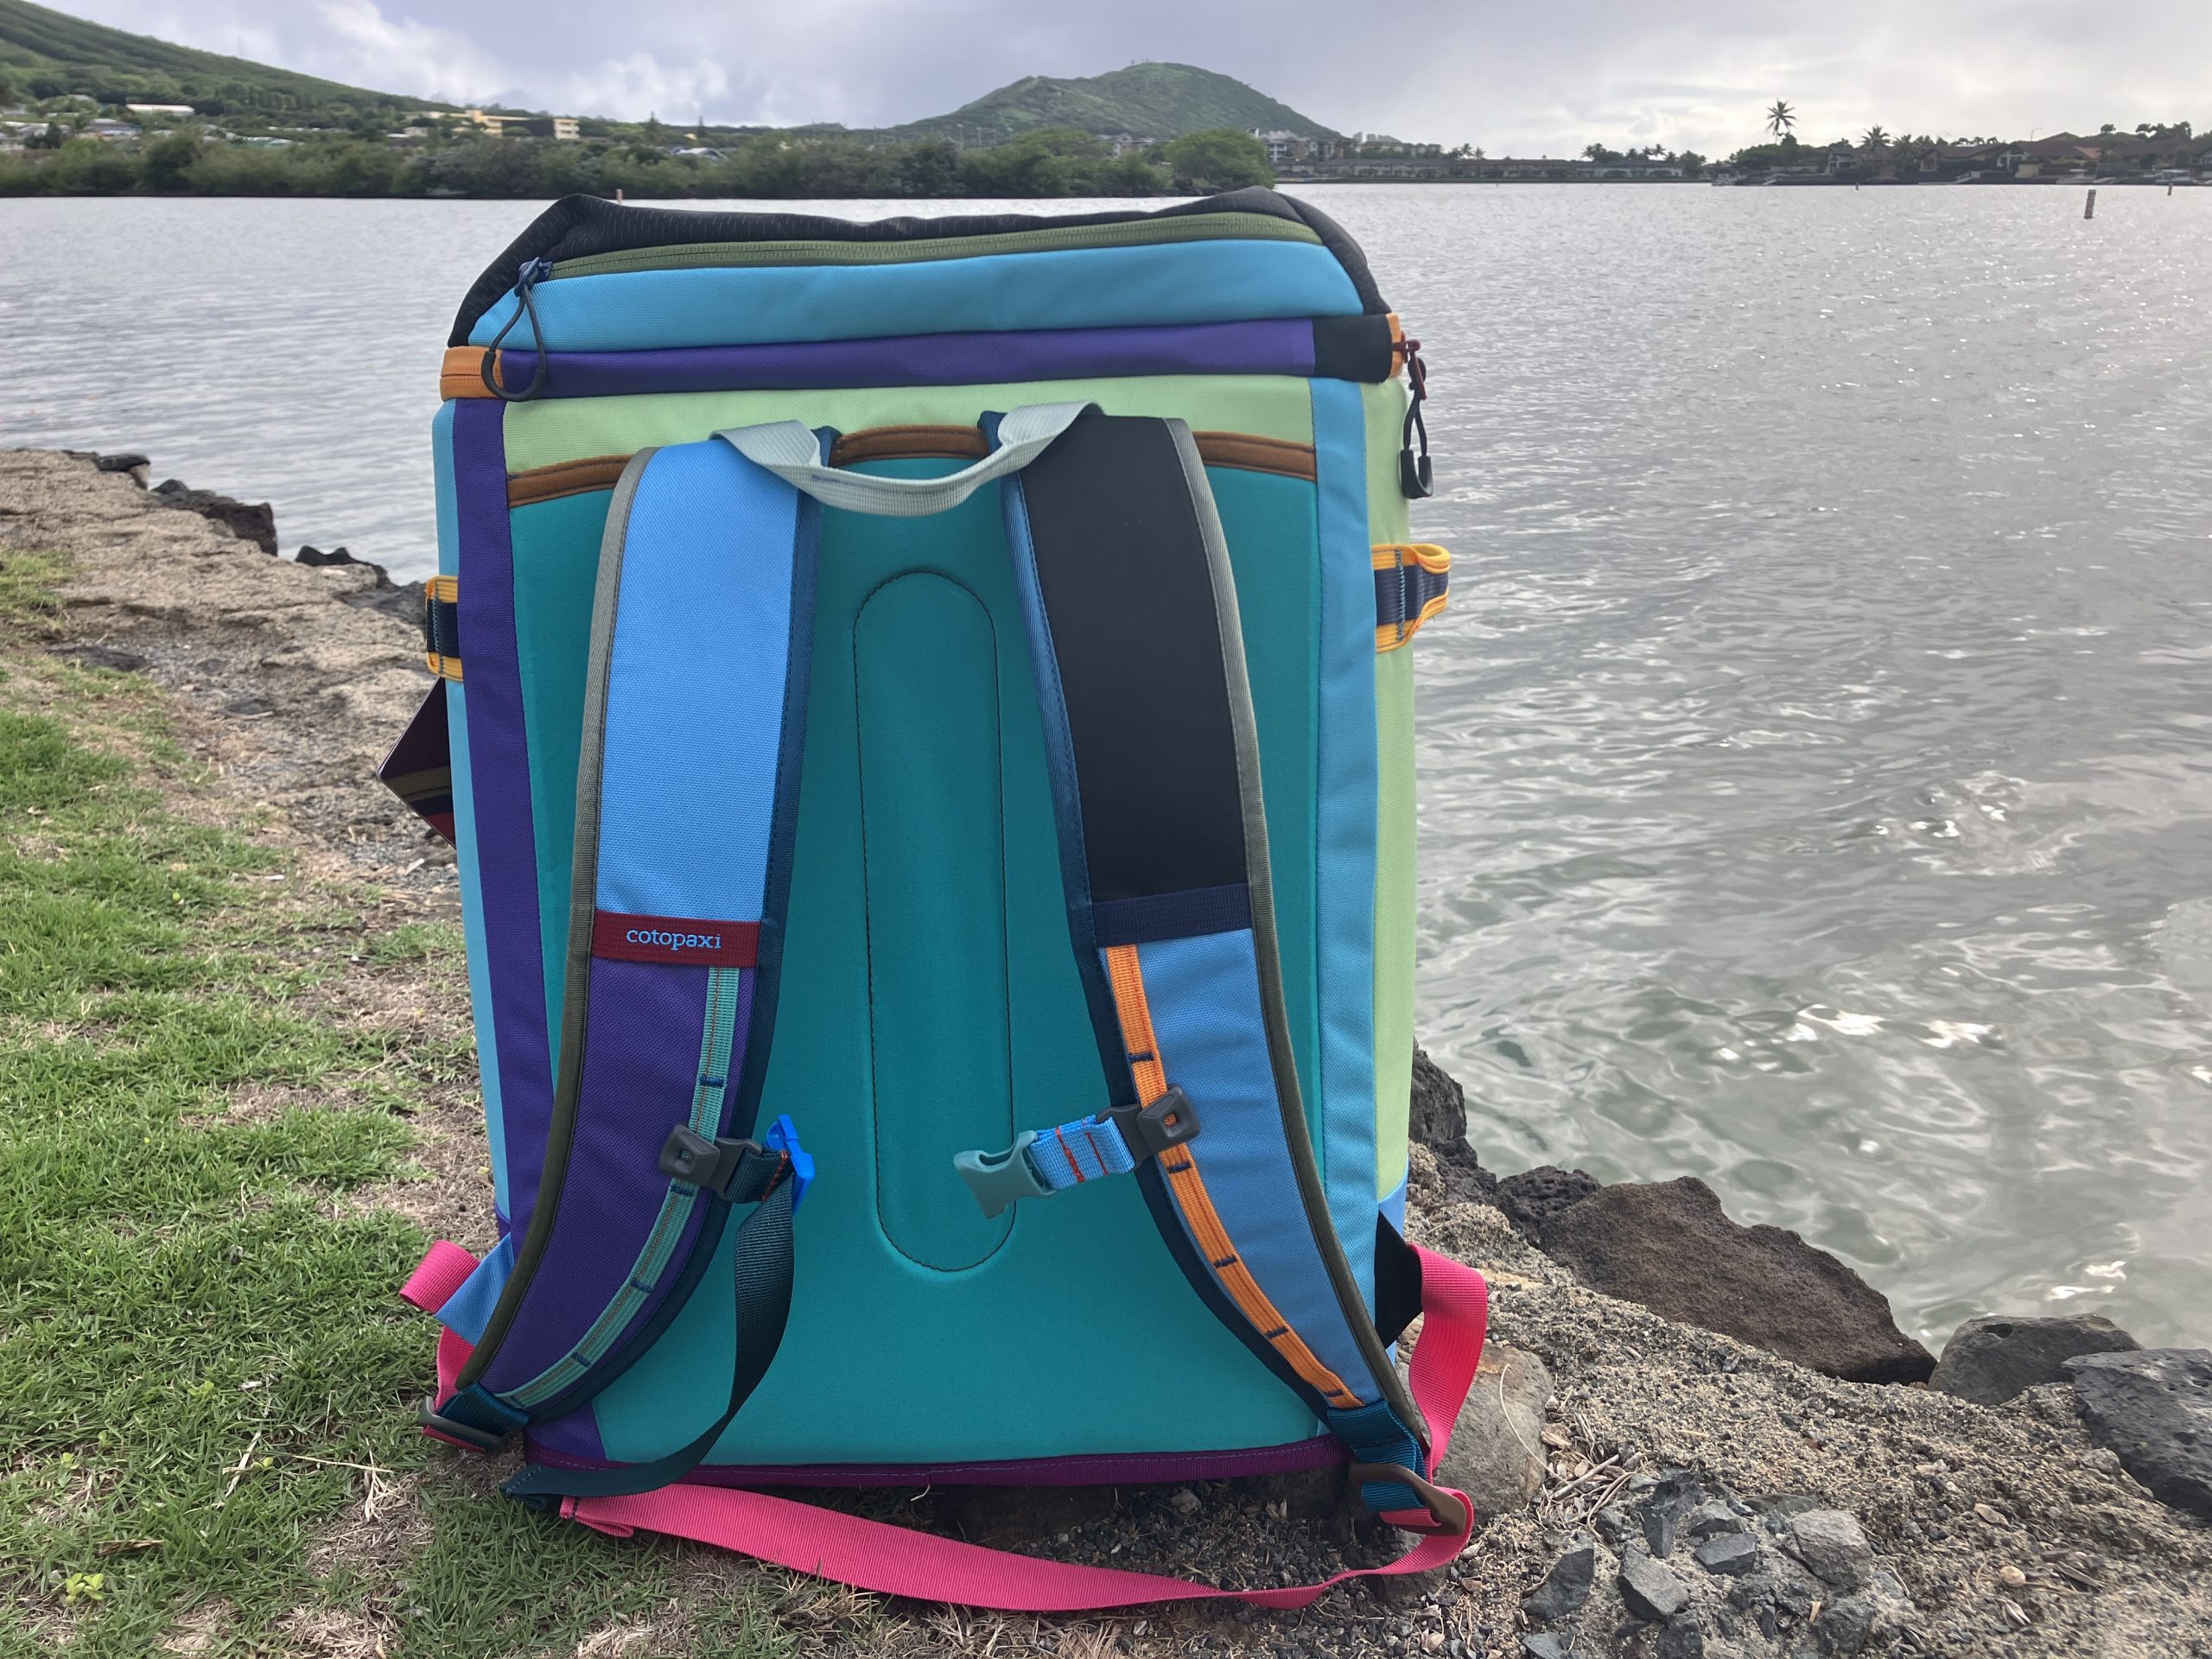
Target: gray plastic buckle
point(998, 1179)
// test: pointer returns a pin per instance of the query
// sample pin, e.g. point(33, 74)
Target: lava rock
point(254, 522)
point(1496, 1453)
point(1543, 1646)
point(1682, 1638)
point(2154, 1408)
point(1710, 1519)
point(1565, 1588)
point(111, 656)
point(1844, 1626)
point(1668, 1246)
point(1662, 1514)
point(1648, 1590)
point(1439, 1122)
point(1833, 1546)
point(122, 462)
point(1731, 1554)
point(1990, 1361)
point(1535, 1197)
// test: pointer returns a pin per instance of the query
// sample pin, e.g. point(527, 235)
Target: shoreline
point(1596, 1417)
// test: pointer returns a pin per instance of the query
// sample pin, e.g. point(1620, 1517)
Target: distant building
point(1284, 146)
point(1125, 144)
point(161, 109)
point(1628, 167)
point(561, 128)
point(109, 132)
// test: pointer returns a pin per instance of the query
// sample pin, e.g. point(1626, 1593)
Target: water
point(1814, 761)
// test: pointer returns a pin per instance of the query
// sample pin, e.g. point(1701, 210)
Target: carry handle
point(793, 451)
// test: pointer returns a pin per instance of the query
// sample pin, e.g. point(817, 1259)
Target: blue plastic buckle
point(783, 1136)
point(998, 1179)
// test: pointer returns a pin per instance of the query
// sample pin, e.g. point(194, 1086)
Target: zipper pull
point(533, 272)
point(1415, 477)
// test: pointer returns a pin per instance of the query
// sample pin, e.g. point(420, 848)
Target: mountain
point(44, 53)
point(1152, 100)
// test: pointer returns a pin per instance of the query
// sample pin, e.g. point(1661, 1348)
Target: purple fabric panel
point(641, 1066)
point(574, 1438)
point(1136, 1468)
point(499, 763)
point(1271, 346)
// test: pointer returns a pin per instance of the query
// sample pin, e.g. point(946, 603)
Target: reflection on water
point(1814, 779)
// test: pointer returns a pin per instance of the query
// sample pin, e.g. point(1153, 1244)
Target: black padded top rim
point(575, 227)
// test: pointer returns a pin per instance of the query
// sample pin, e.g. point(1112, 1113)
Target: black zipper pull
point(1415, 477)
point(533, 272)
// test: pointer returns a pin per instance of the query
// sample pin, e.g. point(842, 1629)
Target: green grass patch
point(200, 1347)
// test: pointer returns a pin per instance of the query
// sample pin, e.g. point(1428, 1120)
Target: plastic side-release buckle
point(998, 1179)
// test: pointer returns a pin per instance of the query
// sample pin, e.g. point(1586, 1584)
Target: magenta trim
point(1100, 1468)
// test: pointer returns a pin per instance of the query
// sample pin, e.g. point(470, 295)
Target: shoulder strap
point(1151, 741)
point(701, 624)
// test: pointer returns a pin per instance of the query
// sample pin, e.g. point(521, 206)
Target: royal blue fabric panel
point(695, 695)
point(1346, 806)
point(641, 1069)
point(1204, 994)
point(1088, 288)
point(465, 829)
point(468, 1310)
point(504, 837)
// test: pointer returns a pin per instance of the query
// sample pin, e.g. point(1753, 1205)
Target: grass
point(206, 1439)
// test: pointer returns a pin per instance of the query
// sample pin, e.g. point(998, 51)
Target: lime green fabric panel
point(552, 430)
point(1388, 521)
point(556, 566)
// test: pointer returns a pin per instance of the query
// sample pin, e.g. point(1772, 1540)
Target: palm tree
point(1875, 142)
point(1780, 118)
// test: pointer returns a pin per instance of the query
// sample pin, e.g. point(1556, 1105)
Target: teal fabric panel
point(1052, 1343)
point(696, 705)
point(1088, 288)
point(464, 823)
point(1204, 996)
point(1347, 807)
point(1272, 527)
point(556, 565)
point(925, 685)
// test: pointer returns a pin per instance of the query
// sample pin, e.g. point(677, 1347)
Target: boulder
point(2153, 1409)
point(254, 522)
point(1990, 1361)
point(1535, 1197)
point(1439, 1122)
point(1496, 1453)
point(1833, 1546)
point(1668, 1246)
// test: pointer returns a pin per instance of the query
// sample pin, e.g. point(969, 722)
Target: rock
point(2153, 1409)
point(1661, 1514)
point(1711, 1518)
point(1496, 1453)
point(1680, 1639)
point(1648, 1590)
point(1013, 1516)
point(1733, 1554)
point(1990, 1361)
point(1532, 1198)
point(1833, 1546)
point(1844, 1626)
point(254, 522)
point(1439, 1122)
point(1544, 1647)
point(1668, 1246)
point(1565, 1588)
point(109, 657)
point(122, 462)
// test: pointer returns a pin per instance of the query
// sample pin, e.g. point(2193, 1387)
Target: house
point(110, 131)
point(1283, 146)
point(178, 110)
point(1629, 166)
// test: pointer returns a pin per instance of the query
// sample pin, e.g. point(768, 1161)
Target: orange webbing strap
point(440, 636)
point(1179, 1166)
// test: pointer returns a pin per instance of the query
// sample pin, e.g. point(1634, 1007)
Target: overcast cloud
point(1516, 79)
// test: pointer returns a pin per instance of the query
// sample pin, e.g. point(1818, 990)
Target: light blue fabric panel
point(1204, 994)
point(1347, 806)
point(464, 825)
point(1088, 288)
point(468, 1310)
point(695, 693)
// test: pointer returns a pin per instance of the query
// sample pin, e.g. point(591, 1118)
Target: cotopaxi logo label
point(690, 940)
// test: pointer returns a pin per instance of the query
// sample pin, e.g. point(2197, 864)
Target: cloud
point(363, 46)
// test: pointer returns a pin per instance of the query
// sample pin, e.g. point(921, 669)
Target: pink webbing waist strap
point(894, 1560)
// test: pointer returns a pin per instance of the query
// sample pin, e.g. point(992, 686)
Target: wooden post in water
point(2089, 207)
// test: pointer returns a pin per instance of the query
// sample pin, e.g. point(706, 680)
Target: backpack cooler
point(923, 713)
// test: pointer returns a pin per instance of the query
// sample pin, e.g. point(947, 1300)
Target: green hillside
point(1152, 100)
point(45, 53)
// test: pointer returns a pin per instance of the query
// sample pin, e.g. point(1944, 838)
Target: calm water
point(1814, 762)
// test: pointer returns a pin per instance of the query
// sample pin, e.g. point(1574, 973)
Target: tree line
point(186, 160)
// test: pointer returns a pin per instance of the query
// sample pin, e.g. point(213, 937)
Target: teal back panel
point(931, 1004)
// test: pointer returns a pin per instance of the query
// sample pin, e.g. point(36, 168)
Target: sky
point(1515, 78)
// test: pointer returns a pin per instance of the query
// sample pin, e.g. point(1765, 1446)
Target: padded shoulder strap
point(1150, 735)
point(687, 792)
